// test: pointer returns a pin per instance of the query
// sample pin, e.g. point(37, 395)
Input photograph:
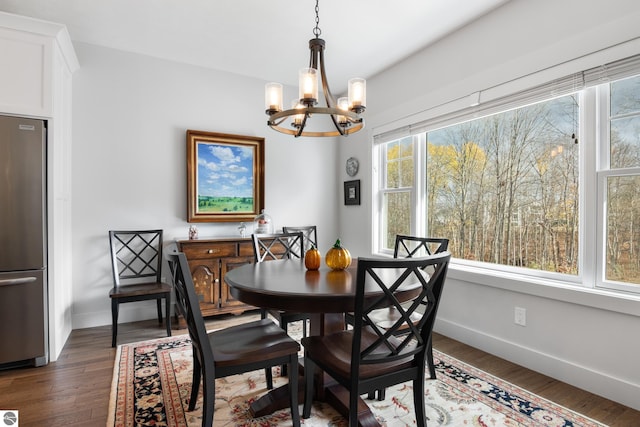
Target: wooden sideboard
point(209, 260)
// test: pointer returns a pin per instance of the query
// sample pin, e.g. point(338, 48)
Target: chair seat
point(366, 359)
point(335, 350)
point(139, 289)
point(250, 342)
point(386, 317)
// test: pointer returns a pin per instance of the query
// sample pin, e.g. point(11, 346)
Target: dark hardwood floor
point(74, 390)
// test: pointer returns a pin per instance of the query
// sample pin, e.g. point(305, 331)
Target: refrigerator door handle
point(20, 281)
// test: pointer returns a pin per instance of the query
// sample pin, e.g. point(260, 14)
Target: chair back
point(189, 306)
point(309, 234)
point(416, 317)
point(268, 247)
point(413, 246)
point(136, 256)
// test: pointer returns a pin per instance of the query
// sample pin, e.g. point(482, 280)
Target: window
point(620, 177)
point(397, 189)
point(508, 189)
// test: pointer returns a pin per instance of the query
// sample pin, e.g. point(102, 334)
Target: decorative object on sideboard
point(344, 112)
point(225, 177)
point(242, 229)
point(263, 224)
point(193, 232)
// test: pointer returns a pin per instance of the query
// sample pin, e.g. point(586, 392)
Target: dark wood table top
point(288, 285)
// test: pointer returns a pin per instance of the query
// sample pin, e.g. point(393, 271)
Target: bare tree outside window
point(398, 185)
point(504, 189)
point(509, 187)
point(623, 192)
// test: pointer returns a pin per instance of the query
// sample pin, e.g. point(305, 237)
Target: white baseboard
point(595, 382)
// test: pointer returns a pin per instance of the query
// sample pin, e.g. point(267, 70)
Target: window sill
point(548, 288)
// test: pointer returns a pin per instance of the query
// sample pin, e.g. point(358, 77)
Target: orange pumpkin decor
point(312, 259)
point(338, 258)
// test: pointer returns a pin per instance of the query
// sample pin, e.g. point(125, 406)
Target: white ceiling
point(259, 38)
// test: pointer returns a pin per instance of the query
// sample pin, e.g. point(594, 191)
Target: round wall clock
point(352, 166)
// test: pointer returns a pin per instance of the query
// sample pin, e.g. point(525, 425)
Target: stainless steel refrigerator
point(23, 242)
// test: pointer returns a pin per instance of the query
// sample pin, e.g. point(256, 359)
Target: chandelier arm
point(340, 129)
point(328, 96)
point(272, 122)
point(302, 125)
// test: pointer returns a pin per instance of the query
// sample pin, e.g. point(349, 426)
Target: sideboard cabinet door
point(228, 264)
point(206, 279)
point(209, 260)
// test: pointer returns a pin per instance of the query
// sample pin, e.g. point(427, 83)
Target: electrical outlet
point(521, 316)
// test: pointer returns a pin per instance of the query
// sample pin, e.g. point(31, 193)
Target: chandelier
point(344, 113)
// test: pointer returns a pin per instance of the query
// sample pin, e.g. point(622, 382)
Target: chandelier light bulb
point(273, 97)
point(343, 104)
point(357, 94)
point(308, 86)
point(296, 120)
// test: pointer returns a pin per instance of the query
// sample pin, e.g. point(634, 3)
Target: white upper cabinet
point(34, 54)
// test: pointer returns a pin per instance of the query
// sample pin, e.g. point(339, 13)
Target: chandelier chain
point(316, 30)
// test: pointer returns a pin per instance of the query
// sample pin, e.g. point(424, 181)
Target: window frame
point(604, 171)
point(594, 171)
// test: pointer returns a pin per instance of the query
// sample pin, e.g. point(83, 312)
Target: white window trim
point(558, 290)
point(593, 175)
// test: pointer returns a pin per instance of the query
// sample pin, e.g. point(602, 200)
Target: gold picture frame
point(225, 177)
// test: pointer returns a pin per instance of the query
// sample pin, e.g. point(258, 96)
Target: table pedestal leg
point(338, 397)
point(334, 394)
point(276, 399)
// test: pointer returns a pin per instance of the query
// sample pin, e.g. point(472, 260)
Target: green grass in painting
point(208, 204)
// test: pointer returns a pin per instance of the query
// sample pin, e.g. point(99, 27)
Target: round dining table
point(325, 295)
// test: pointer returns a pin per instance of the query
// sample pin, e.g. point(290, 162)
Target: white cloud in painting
point(225, 171)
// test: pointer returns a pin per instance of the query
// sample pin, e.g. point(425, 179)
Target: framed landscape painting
point(225, 177)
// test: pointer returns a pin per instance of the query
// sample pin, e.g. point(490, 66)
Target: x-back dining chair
point(409, 247)
point(260, 344)
point(136, 261)
point(273, 246)
point(367, 358)
point(309, 235)
point(412, 247)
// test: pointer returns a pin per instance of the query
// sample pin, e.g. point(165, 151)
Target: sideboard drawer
point(202, 250)
point(245, 249)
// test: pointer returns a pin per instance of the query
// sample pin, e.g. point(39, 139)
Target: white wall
point(132, 112)
point(130, 116)
point(583, 337)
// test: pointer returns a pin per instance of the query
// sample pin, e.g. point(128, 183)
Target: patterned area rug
point(152, 383)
